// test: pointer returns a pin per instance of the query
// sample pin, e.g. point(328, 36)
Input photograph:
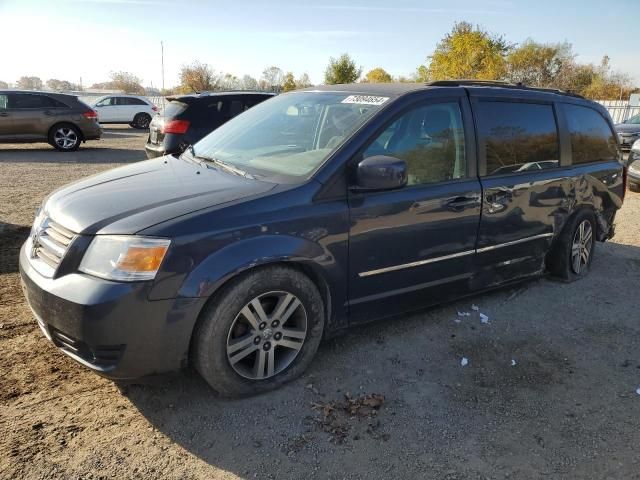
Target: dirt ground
point(549, 390)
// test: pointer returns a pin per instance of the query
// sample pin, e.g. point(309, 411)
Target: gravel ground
point(387, 400)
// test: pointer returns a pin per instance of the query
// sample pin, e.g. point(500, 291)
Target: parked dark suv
point(59, 119)
point(188, 118)
point(314, 211)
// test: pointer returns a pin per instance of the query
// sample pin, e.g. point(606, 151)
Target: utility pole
point(162, 61)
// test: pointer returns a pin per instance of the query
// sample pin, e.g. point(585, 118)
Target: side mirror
point(381, 173)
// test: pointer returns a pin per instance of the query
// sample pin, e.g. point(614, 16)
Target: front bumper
point(111, 327)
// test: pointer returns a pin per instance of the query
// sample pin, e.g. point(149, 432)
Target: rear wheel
point(65, 137)
point(141, 121)
point(573, 253)
point(260, 332)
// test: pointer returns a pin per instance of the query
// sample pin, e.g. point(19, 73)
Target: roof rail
point(499, 83)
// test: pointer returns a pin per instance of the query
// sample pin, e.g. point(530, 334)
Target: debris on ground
point(513, 362)
point(464, 362)
point(475, 307)
point(463, 314)
point(638, 391)
point(484, 318)
point(335, 415)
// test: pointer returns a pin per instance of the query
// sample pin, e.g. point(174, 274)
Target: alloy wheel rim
point(143, 122)
point(267, 335)
point(65, 138)
point(581, 246)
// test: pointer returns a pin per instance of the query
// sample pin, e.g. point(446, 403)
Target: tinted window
point(130, 101)
point(634, 120)
point(174, 108)
point(236, 108)
point(29, 100)
point(3, 101)
point(591, 137)
point(430, 139)
point(518, 137)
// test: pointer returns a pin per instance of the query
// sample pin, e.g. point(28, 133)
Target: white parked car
point(131, 109)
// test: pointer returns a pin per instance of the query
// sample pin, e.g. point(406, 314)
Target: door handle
point(48, 112)
point(457, 204)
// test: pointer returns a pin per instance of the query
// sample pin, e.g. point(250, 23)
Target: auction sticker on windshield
point(365, 100)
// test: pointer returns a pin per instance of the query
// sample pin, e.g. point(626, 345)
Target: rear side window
point(236, 108)
point(130, 101)
point(3, 101)
point(591, 137)
point(174, 108)
point(29, 100)
point(518, 137)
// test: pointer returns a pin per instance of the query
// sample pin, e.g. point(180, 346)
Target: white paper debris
point(464, 314)
point(484, 318)
point(638, 391)
point(464, 362)
point(475, 307)
point(457, 320)
point(513, 362)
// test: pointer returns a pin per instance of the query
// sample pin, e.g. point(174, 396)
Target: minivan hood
point(131, 198)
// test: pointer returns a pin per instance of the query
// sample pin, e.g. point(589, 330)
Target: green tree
point(539, 65)
point(29, 83)
point(466, 52)
point(126, 82)
point(198, 77)
point(289, 82)
point(378, 75)
point(341, 70)
point(303, 81)
point(60, 85)
point(273, 78)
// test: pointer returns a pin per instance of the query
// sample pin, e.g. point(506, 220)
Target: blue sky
point(69, 39)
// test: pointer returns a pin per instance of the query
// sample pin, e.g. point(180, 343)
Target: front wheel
point(260, 332)
point(64, 138)
point(573, 252)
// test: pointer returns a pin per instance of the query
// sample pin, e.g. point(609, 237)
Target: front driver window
point(430, 139)
point(105, 102)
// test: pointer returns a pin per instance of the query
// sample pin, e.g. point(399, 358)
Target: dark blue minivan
point(313, 211)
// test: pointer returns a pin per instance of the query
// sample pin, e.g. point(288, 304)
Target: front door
point(415, 246)
point(107, 110)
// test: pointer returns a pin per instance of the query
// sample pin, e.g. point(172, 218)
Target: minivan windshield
point(290, 135)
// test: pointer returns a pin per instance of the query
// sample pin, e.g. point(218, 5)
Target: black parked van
point(186, 119)
point(317, 210)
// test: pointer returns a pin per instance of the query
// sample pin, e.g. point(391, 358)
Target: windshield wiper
point(220, 163)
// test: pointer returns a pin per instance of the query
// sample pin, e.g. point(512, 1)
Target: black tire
point(216, 332)
point(65, 137)
point(561, 260)
point(141, 121)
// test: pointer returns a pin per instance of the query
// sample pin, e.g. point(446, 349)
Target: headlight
point(124, 258)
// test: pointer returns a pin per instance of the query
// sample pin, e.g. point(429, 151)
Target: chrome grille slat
point(58, 237)
point(47, 257)
point(50, 244)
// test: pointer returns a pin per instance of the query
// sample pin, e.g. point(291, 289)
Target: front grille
point(51, 242)
point(104, 356)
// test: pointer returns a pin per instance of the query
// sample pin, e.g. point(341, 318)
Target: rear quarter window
point(517, 137)
point(174, 108)
point(592, 139)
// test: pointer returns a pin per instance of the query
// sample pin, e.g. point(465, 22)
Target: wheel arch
point(306, 268)
point(65, 122)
